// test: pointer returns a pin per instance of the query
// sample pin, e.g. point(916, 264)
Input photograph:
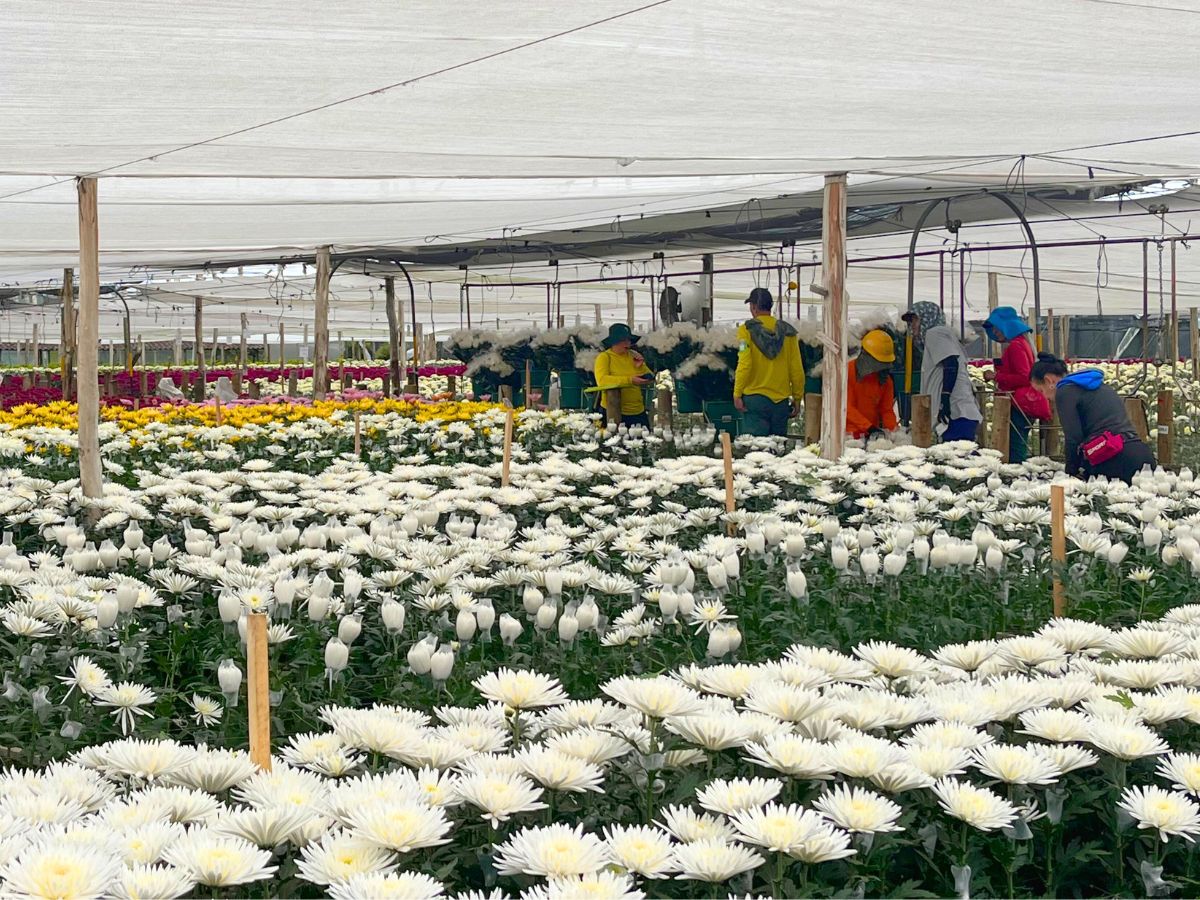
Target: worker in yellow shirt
point(769, 382)
point(620, 366)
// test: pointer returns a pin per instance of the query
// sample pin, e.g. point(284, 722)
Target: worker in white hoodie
point(944, 375)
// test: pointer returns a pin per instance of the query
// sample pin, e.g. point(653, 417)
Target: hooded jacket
point(870, 401)
point(1016, 362)
point(769, 361)
point(944, 374)
point(1087, 407)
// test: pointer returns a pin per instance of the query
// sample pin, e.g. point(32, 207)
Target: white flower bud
point(318, 608)
point(161, 549)
point(352, 584)
point(510, 629)
point(668, 603)
point(939, 557)
point(718, 576)
point(839, 556)
point(1152, 536)
point(546, 615)
point(756, 542)
point(920, 549)
point(687, 603)
point(1170, 554)
point(718, 643)
point(322, 586)
point(229, 607)
point(349, 628)
point(465, 625)
point(127, 594)
point(229, 676)
point(533, 600)
point(485, 616)
point(109, 554)
point(868, 560)
point(893, 563)
point(106, 611)
point(903, 537)
point(133, 536)
point(554, 582)
point(420, 657)
point(794, 545)
point(337, 654)
point(733, 565)
point(1117, 553)
point(797, 584)
point(568, 627)
point(588, 614)
point(994, 558)
point(441, 664)
point(392, 613)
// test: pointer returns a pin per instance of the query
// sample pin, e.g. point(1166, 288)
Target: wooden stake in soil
point(90, 477)
point(1001, 418)
point(665, 409)
point(357, 432)
point(198, 350)
point(612, 405)
point(1166, 421)
point(1193, 339)
point(258, 690)
point(528, 384)
point(1136, 410)
point(1058, 545)
point(922, 420)
point(506, 466)
point(730, 500)
point(218, 409)
point(812, 418)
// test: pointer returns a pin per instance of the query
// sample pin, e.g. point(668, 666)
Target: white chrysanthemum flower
point(1182, 770)
point(784, 701)
point(218, 861)
point(1014, 764)
point(861, 755)
point(266, 827)
point(713, 732)
point(687, 825)
point(499, 795)
point(946, 734)
point(1126, 740)
point(554, 851)
point(892, 660)
point(901, 777)
point(560, 772)
point(340, 855)
point(521, 689)
point(401, 828)
point(1168, 812)
point(793, 755)
point(387, 886)
point(1058, 725)
point(591, 744)
point(126, 700)
point(978, 807)
point(144, 844)
point(657, 697)
point(858, 810)
point(641, 849)
point(938, 760)
point(968, 657)
point(60, 869)
point(714, 860)
point(729, 796)
point(151, 883)
point(1146, 643)
point(88, 677)
point(1066, 757)
point(593, 885)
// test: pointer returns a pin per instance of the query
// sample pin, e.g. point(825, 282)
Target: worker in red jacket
point(1012, 376)
point(870, 394)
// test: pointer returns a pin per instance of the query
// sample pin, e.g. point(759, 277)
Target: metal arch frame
point(412, 292)
point(1033, 247)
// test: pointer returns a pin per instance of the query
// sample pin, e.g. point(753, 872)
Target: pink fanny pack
point(1103, 448)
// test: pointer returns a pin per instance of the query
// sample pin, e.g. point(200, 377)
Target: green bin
point(724, 416)
point(571, 387)
point(685, 400)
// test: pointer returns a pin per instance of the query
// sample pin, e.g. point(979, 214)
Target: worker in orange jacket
point(870, 394)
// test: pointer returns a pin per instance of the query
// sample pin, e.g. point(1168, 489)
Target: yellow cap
point(879, 345)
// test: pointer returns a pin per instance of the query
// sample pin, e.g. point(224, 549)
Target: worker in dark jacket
point(1098, 435)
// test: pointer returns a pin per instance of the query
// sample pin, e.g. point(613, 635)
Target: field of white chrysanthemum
point(595, 680)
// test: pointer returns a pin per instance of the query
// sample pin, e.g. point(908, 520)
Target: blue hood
point(1007, 322)
point(1088, 379)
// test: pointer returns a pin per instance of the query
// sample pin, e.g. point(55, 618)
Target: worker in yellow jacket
point(769, 383)
point(620, 366)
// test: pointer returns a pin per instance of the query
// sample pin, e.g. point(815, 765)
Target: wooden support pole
point(452, 385)
point(213, 353)
point(217, 399)
point(812, 418)
point(529, 384)
point(244, 322)
point(1048, 344)
point(395, 364)
point(1058, 545)
point(1001, 418)
point(35, 348)
point(506, 465)
point(730, 499)
point(90, 477)
point(612, 406)
point(198, 349)
point(506, 394)
point(665, 408)
point(922, 420)
point(1166, 426)
point(357, 432)
point(177, 348)
point(596, 307)
point(1064, 336)
point(1051, 433)
point(417, 337)
point(629, 310)
point(1136, 410)
point(833, 256)
point(1194, 341)
point(982, 433)
point(321, 326)
point(258, 690)
point(993, 302)
point(66, 341)
point(293, 382)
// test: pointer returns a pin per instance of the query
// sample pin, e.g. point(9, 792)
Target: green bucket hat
point(617, 333)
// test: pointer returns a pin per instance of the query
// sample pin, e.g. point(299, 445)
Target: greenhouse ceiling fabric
point(229, 129)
